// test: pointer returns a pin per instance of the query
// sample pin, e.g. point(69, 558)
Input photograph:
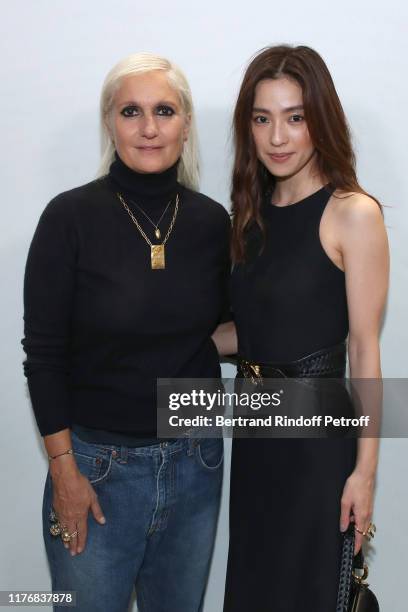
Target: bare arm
point(364, 248)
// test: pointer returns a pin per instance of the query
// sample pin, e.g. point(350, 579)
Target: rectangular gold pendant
point(157, 257)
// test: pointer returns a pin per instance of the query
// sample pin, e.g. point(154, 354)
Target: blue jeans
point(161, 505)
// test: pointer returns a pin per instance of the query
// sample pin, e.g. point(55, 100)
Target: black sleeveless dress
point(285, 543)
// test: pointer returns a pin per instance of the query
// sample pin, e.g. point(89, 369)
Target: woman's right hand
point(73, 497)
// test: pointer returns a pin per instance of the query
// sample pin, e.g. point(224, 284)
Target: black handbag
point(354, 594)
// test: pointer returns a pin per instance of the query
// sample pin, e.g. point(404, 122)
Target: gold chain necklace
point(157, 232)
point(156, 250)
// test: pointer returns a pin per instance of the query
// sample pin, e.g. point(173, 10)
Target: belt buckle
point(251, 371)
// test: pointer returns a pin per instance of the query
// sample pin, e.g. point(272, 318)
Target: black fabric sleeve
point(48, 299)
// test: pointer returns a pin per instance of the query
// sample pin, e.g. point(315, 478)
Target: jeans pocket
point(210, 453)
point(93, 461)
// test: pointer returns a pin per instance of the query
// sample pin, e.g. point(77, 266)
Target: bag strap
point(346, 568)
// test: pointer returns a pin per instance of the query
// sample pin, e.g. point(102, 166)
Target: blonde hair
point(188, 168)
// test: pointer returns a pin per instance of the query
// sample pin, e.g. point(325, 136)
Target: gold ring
point(55, 529)
point(369, 533)
point(363, 533)
point(371, 529)
point(65, 537)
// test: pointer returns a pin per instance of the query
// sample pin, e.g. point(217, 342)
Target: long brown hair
point(326, 123)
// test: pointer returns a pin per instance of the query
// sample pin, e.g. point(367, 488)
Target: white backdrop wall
point(53, 61)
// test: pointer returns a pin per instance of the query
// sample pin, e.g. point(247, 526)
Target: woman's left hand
point(225, 339)
point(357, 504)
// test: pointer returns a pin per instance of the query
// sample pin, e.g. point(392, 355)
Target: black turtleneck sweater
point(100, 324)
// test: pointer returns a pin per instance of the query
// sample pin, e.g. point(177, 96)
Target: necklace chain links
point(157, 250)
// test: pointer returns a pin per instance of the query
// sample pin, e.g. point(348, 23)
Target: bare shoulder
point(355, 209)
point(351, 221)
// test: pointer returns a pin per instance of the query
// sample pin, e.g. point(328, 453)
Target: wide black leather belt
point(326, 363)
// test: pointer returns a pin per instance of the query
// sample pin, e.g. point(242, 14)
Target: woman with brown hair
point(311, 269)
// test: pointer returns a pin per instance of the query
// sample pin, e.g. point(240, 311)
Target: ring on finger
point(55, 529)
point(66, 536)
point(369, 533)
point(371, 529)
point(363, 533)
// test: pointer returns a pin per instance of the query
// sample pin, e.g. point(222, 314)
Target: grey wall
point(54, 58)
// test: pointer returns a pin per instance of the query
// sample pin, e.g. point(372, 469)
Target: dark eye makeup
point(165, 110)
point(129, 111)
point(162, 110)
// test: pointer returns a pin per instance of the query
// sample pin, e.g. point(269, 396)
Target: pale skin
point(353, 235)
point(148, 126)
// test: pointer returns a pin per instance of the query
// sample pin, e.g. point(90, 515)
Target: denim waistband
point(121, 452)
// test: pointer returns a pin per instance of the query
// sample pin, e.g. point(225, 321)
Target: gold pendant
point(157, 257)
point(157, 233)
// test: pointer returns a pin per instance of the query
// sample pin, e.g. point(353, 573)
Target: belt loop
point(123, 454)
point(191, 446)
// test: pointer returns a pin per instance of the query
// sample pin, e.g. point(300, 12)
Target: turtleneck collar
point(144, 188)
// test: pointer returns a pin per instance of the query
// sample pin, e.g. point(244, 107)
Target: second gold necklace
point(157, 255)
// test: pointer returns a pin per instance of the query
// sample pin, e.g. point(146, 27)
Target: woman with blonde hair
point(125, 282)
